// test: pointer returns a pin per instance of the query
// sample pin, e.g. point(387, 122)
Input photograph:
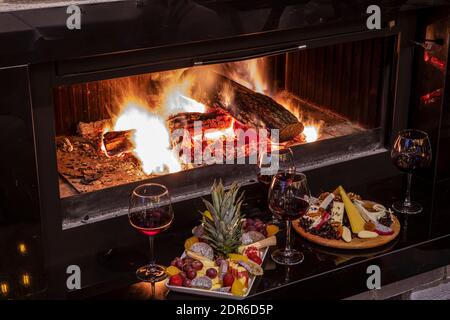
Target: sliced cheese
point(337, 212)
point(356, 221)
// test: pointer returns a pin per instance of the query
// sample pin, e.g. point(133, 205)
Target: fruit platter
point(345, 221)
point(226, 251)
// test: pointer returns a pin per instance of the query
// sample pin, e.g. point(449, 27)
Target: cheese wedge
point(356, 221)
point(337, 212)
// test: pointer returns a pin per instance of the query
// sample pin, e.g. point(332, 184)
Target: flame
point(151, 138)
point(145, 110)
point(311, 133)
point(249, 73)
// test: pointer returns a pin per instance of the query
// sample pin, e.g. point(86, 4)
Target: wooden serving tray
point(356, 243)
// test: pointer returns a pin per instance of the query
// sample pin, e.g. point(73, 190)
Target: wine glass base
point(287, 257)
point(413, 208)
point(151, 273)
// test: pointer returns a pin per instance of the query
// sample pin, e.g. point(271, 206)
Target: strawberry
point(176, 280)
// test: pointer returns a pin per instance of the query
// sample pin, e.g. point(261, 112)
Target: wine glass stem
point(153, 290)
point(288, 235)
point(407, 202)
point(152, 252)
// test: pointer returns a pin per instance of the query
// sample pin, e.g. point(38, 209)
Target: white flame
point(151, 138)
point(310, 133)
point(176, 103)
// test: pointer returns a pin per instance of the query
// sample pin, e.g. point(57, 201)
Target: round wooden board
point(356, 243)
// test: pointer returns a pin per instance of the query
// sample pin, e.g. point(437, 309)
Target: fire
point(147, 116)
point(311, 133)
point(151, 138)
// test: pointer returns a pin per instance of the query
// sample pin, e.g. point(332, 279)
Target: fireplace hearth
point(76, 104)
point(111, 134)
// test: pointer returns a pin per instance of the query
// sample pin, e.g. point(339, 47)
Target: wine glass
point(269, 164)
point(273, 161)
point(411, 151)
point(289, 199)
point(150, 213)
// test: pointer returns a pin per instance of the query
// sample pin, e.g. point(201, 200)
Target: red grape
point(187, 267)
point(211, 272)
point(191, 274)
point(179, 264)
point(186, 282)
point(197, 265)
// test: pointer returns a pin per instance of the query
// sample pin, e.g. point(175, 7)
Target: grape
point(182, 274)
point(188, 260)
point(186, 282)
point(191, 274)
point(219, 261)
point(211, 272)
point(179, 263)
point(250, 222)
point(187, 267)
point(251, 228)
point(197, 265)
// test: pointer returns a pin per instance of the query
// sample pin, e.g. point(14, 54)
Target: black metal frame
point(64, 245)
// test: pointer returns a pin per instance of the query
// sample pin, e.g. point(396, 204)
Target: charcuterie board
point(355, 244)
point(346, 221)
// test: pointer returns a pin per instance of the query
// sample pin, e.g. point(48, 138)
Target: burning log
point(217, 120)
point(118, 142)
point(89, 130)
point(246, 106)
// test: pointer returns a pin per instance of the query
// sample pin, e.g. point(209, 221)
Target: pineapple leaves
point(224, 231)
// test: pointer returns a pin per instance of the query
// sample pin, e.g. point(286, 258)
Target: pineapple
point(223, 232)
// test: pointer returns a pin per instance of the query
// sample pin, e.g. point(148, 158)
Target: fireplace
point(325, 103)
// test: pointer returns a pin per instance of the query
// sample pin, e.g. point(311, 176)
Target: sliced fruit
point(172, 270)
point(356, 221)
point(267, 242)
point(237, 257)
point(367, 234)
point(189, 242)
point(346, 234)
point(238, 288)
point(272, 230)
point(206, 262)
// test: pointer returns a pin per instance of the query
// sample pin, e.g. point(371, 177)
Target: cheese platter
point(346, 221)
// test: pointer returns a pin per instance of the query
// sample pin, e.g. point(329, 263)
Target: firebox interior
point(119, 131)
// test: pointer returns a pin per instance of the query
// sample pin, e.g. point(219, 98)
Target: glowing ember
point(151, 139)
point(311, 133)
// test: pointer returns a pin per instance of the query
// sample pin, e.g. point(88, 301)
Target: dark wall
point(345, 78)
point(20, 224)
point(430, 98)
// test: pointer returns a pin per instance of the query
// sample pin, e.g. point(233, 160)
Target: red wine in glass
point(297, 208)
point(411, 152)
point(289, 198)
point(409, 163)
point(151, 221)
point(150, 212)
